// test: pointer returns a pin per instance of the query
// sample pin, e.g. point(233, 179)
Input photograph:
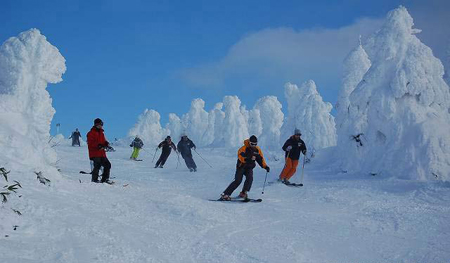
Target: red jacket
point(96, 141)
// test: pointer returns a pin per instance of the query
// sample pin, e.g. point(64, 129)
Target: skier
point(97, 144)
point(167, 146)
point(184, 147)
point(247, 156)
point(137, 145)
point(75, 138)
point(292, 147)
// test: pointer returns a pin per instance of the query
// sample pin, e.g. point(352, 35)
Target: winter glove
point(289, 148)
point(267, 169)
point(304, 152)
point(100, 146)
point(131, 145)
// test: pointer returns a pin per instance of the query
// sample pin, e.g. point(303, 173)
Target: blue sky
point(125, 56)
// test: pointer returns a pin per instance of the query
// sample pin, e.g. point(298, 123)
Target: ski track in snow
point(163, 215)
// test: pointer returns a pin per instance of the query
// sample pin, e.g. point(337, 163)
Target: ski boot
point(243, 195)
point(224, 197)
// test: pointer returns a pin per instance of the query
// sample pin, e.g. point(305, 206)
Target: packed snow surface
point(163, 215)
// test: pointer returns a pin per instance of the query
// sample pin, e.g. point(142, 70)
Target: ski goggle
point(253, 143)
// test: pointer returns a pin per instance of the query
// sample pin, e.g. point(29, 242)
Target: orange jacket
point(245, 154)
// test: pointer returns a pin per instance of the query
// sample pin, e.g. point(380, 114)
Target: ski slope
point(163, 215)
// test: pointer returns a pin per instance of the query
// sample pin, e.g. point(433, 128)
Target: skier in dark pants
point(97, 144)
point(167, 145)
point(75, 137)
point(184, 147)
point(248, 155)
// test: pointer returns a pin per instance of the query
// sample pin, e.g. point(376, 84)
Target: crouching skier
point(167, 145)
point(97, 144)
point(247, 156)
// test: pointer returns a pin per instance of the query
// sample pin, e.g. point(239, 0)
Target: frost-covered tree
point(234, 125)
point(255, 125)
point(447, 64)
point(308, 112)
point(196, 122)
point(219, 117)
point(175, 127)
point(401, 108)
point(272, 120)
point(355, 66)
point(148, 128)
point(27, 64)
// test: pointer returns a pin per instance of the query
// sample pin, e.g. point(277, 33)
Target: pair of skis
point(239, 200)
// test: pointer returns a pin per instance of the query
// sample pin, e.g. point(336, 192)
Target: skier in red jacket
point(97, 144)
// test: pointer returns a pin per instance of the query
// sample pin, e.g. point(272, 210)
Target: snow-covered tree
point(148, 128)
point(175, 127)
point(196, 122)
point(355, 66)
point(447, 65)
point(272, 119)
point(255, 126)
point(309, 113)
point(27, 64)
point(219, 117)
point(401, 107)
point(234, 125)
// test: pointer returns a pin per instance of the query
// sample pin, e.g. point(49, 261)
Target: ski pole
point(264, 186)
point(202, 158)
point(154, 155)
point(303, 169)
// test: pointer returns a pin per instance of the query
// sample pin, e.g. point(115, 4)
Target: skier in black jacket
point(292, 147)
point(75, 137)
point(184, 147)
point(167, 145)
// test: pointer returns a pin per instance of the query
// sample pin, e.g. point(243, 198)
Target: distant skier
point(75, 138)
point(247, 156)
point(97, 144)
point(137, 145)
point(167, 145)
point(184, 146)
point(292, 147)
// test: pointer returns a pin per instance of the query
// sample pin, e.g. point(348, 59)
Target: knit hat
point(297, 132)
point(253, 139)
point(98, 121)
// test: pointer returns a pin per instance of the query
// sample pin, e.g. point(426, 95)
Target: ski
point(294, 185)
point(289, 184)
point(248, 200)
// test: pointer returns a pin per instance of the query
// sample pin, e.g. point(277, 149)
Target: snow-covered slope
point(163, 215)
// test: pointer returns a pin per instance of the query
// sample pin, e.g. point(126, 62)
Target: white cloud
point(279, 55)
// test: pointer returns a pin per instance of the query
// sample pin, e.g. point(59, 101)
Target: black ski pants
point(163, 158)
point(240, 172)
point(101, 162)
point(189, 161)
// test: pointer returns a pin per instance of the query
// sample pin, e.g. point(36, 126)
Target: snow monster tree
point(400, 108)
